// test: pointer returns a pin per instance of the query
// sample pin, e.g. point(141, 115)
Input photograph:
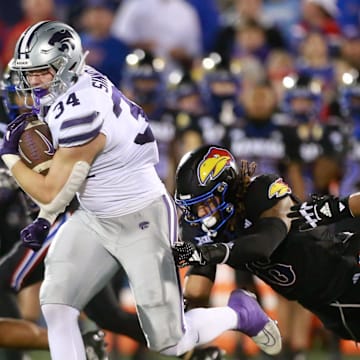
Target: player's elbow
point(48, 195)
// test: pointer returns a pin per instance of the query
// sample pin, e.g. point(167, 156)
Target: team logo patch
point(144, 225)
point(213, 164)
point(278, 189)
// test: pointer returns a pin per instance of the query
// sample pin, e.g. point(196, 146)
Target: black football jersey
point(306, 266)
point(14, 210)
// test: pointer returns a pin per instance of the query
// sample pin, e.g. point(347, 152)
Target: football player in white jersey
point(105, 154)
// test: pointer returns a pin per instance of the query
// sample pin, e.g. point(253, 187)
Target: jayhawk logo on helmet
point(213, 164)
point(278, 189)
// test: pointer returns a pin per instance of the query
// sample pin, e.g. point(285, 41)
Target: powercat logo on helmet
point(63, 40)
point(213, 164)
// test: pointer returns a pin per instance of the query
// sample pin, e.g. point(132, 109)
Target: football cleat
point(254, 322)
point(95, 345)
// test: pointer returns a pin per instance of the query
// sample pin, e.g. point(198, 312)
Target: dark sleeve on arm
point(265, 237)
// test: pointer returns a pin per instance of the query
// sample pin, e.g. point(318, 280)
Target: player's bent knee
point(59, 314)
point(165, 333)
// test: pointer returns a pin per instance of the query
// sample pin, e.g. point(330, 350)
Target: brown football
point(35, 145)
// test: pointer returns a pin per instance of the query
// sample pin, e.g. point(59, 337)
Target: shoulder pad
point(263, 193)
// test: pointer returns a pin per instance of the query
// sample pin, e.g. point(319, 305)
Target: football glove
point(321, 210)
point(34, 235)
point(186, 253)
point(14, 130)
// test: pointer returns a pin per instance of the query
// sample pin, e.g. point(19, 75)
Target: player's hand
point(186, 253)
point(321, 210)
point(34, 235)
point(11, 139)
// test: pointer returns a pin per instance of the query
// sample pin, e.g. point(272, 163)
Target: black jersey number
point(71, 100)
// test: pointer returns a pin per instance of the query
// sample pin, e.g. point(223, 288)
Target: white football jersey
point(122, 178)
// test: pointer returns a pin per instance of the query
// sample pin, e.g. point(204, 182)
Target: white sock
point(202, 326)
point(64, 335)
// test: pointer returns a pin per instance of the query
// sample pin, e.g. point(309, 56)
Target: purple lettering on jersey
point(98, 80)
point(145, 138)
point(116, 98)
point(135, 109)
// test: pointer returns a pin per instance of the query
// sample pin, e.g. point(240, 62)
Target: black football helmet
point(206, 177)
point(11, 98)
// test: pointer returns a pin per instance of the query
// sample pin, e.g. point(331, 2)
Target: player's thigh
point(28, 300)
point(153, 275)
point(77, 266)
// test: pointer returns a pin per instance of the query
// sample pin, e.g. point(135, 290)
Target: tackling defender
point(242, 221)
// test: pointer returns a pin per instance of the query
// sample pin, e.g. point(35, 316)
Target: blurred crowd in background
point(276, 81)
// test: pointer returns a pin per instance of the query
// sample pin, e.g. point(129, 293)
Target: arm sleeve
point(265, 237)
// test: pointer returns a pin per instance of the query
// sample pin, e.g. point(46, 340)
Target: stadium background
point(121, 347)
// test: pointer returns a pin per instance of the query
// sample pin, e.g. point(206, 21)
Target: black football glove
point(186, 253)
point(321, 210)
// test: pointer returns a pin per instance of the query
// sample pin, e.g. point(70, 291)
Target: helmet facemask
point(218, 209)
point(13, 101)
